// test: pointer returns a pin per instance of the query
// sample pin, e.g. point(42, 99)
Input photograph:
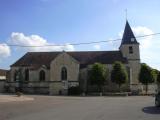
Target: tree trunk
point(146, 88)
point(119, 87)
point(100, 90)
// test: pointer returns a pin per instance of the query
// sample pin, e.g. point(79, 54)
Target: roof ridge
point(74, 51)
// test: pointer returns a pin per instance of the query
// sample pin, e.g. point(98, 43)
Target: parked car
point(157, 100)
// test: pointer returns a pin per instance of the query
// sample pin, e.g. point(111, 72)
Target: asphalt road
point(81, 108)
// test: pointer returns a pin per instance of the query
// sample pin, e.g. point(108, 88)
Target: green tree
point(145, 75)
point(98, 75)
point(154, 72)
point(158, 78)
point(119, 74)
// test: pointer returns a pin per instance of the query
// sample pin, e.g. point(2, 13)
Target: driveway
point(81, 108)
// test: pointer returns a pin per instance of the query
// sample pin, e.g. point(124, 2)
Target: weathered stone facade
point(133, 63)
point(3, 76)
point(72, 66)
point(56, 80)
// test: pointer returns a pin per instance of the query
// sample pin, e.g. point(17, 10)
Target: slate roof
point(37, 59)
point(128, 35)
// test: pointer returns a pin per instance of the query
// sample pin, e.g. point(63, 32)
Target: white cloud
point(146, 42)
point(68, 47)
point(97, 47)
point(36, 40)
point(113, 44)
point(4, 50)
point(148, 50)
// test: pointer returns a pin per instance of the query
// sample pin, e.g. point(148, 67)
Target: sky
point(46, 22)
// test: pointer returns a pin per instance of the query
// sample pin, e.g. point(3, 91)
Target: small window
point(63, 73)
point(130, 49)
point(26, 75)
point(42, 75)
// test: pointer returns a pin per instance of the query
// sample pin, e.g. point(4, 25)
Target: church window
point(26, 75)
point(42, 75)
point(63, 73)
point(130, 49)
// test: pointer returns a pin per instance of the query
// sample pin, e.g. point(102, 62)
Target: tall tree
point(158, 78)
point(145, 75)
point(155, 74)
point(119, 74)
point(98, 75)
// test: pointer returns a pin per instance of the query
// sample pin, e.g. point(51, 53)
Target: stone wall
point(109, 87)
point(74, 74)
point(33, 73)
point(135, 69)
point(125, 51)
point(152, 88)
point(2, 83)
point(134, 63)
point(72, 66)
point(34, 85)
point(83, 76)
point(30, 87)
point(64, 60)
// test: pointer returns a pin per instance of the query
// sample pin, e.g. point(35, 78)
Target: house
point(54, 72)
point(3, 77)
point(3, 74)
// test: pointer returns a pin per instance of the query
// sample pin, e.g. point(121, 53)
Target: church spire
point(128, 36)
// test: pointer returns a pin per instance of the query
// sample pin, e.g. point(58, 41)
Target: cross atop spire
point(128, 36)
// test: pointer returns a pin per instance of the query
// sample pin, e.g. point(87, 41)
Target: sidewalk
point(14, 98)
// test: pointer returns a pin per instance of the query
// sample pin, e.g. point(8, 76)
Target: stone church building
point(54, 72)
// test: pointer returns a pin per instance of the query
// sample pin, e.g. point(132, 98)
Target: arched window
point(42, 75)
point(26, 75)
point(63, 73)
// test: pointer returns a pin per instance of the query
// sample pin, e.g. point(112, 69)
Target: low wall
point(30, 87)
point(2, 83)
point(109, 88)
point(152, 88)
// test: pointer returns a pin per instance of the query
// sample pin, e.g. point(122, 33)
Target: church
point(54, 72)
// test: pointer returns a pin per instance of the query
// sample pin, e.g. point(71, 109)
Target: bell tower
point(130, 49)
point(129, 45)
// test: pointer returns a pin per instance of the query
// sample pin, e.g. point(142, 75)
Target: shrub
point(19, 94)
point(158, 78)
point(98, 75)
point(119, 74)
point(74, 90)
point(145, 75)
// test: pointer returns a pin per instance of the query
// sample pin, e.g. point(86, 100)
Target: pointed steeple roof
point(128, 36)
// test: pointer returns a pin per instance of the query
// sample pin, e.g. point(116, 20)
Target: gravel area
point(80, 108)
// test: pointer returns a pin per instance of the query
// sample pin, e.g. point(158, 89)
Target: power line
point(76, 44)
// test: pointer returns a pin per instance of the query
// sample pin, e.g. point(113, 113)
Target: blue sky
point(44, 22)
